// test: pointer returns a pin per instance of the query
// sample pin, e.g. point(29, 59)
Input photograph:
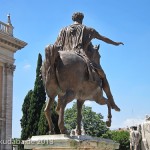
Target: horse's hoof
point(64, 132)
point(108, 123)
point(51, 132)
point(116, 108)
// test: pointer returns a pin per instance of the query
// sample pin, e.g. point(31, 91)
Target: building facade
point(8, 46)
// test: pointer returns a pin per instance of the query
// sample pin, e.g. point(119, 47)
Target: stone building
point(8, 46)
point(145, 131)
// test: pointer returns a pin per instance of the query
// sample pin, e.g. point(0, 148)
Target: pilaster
point(1, 79)
point(1, 82)
point(8, 96)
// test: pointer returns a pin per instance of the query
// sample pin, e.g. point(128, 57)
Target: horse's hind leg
point(47, 111)
point(79, 115)
point(68, 97)
point(58, 105)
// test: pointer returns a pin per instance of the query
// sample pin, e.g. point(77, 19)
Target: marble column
point(2, 123)
point(8, 71)
point(1, 81)
point(6, 94)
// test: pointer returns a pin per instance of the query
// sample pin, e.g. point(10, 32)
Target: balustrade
point(8, 29)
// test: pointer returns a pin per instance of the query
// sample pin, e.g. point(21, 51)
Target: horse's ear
point(98, 46)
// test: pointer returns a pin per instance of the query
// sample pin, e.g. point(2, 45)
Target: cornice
point(11, 42)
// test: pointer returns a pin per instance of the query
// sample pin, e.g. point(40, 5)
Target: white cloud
point(27, 67)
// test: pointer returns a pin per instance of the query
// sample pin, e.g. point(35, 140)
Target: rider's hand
point(119, 43)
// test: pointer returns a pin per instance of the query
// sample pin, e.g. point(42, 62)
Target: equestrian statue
point(71, 70)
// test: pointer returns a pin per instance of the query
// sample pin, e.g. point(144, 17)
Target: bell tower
point(8, 46)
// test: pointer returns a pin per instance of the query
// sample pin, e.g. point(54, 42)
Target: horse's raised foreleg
point(108, 122)
point(68, 97)
point(104, 101)
point(79, 115)
point(47, 112)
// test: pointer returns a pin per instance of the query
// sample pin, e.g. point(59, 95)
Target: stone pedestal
point(65, 142)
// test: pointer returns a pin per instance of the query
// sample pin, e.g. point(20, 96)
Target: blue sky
point(127, 67)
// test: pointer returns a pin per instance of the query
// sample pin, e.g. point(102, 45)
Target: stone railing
point(8, 29)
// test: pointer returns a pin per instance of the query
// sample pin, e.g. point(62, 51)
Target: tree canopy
point(33, 121)
point(43, 124)
point(33, 104)
point(24, 120)
point(120, 136)
point(37, 100)
point(92, 121)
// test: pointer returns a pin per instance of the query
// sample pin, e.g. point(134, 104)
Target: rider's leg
point(106, 88)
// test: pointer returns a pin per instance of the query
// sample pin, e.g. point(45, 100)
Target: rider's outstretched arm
point(105, 39)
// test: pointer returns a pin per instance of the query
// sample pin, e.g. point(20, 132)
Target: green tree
point(120, 136)
point(24, 120)
point(37, 100)
point(55, 118)
point(92, 121)
point(43, 124)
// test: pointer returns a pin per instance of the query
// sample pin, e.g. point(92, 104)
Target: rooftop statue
point(135, 137)
point(72, 70)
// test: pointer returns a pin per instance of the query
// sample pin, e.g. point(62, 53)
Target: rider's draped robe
point(77, 38)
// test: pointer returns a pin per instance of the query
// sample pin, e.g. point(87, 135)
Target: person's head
point(78, 17)
point(133, 127)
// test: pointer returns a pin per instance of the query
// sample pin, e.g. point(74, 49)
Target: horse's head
point(93, 53)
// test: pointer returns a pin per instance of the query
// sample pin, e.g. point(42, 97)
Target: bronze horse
point(70, 81)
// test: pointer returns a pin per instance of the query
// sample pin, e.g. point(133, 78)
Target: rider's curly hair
point(77, 16)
